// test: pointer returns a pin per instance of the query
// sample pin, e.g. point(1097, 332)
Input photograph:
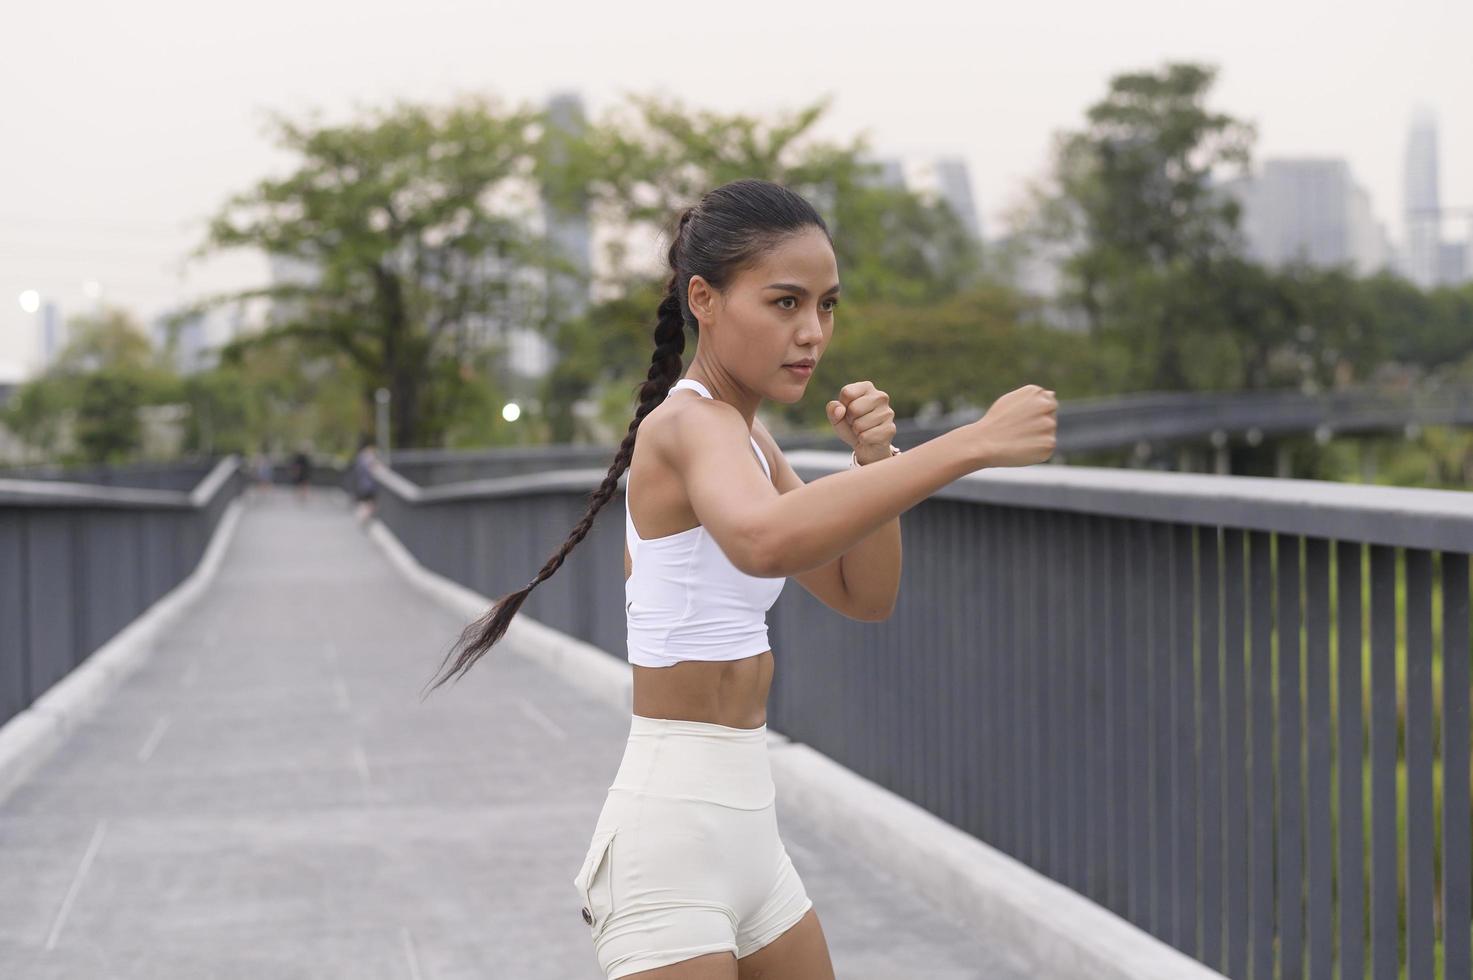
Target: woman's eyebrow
point(794, 287)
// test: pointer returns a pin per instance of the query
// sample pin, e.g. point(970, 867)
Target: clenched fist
point(1019, 428)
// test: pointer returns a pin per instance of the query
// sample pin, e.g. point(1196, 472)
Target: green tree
point(107, 371)
point(279, 395)
point(412, 231)
point(1132, 196)
point(609, 346)
point(636, 168)
point(957, 354)
point(649, 158)
point(1425, 328)
point(108, 429)
point(38, 412)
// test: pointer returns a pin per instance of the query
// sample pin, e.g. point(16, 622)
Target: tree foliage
point(84, 407)
point(649, 158)
point(653, 156)
point(409, 232)
point(1132, 196)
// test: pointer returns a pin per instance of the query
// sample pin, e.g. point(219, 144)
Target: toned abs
point(725, 692)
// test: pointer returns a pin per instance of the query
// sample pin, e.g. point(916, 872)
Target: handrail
point(61, 493)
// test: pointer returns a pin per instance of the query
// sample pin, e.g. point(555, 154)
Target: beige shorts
point(685, 857)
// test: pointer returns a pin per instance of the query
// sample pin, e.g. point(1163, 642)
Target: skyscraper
point(1311, 210)
point(943, 178)
point(53, 333)
point(1422, 201)
point(955, 186)
point(892, 172)
point(567, 222)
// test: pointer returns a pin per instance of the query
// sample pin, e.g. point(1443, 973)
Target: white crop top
point(685, 600)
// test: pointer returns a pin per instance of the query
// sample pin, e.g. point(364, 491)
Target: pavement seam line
point(71, 894)
point(33, 734)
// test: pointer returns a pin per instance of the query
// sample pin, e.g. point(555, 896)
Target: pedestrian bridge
point(1121, 724)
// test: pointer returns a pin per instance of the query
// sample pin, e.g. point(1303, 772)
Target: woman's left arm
point(871, 571)
point(826, 582)
point(863, 418)
point(863, 582)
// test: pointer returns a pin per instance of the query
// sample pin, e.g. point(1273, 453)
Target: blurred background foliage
point(424, 226)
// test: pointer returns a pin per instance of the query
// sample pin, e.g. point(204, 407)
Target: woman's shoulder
point(679, 425)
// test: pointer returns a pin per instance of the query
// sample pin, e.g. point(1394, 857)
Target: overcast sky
point(126, 124)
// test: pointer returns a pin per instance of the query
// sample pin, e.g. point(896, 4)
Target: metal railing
point(1121, 422)
point(79, 562)
point(1189, 698)
point(179, 474)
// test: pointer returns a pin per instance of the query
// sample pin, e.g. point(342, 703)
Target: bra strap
point(692, 384)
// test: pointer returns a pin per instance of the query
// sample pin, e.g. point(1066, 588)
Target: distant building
point(568, 227)
point(1422, 202)
point(892, 173)
point(197, 339)
point(942, 178)
point(955, 185)
point(1310, 210)
point(12, 376)
point(53, 333)
point(539, 299)
point(1036, 268)
point(1453, 263)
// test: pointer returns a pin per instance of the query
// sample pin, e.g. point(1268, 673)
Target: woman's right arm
point(769, 534)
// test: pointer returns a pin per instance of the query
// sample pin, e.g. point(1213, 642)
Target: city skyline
point(179, 116)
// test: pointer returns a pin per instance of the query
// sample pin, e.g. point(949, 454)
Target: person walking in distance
point(685, 876)
point(302, 474)
point(365, 483)
point(261, 469)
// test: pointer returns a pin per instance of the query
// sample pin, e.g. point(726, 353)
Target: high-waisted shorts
point(685, 858)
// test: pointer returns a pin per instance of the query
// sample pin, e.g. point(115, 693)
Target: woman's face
point(777, 311)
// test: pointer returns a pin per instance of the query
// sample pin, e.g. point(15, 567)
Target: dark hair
point(717, 238)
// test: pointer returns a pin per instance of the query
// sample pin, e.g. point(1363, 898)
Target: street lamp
point(30, 301)
point(381, 421)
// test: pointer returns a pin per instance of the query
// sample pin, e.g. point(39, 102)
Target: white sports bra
point(685, 600)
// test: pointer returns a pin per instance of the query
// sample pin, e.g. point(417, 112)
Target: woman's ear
point(701, 298)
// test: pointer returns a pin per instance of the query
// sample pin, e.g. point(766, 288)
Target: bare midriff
point(723, 692)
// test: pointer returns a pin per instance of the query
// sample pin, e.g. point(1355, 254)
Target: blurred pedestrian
point(262, 472)
point(301, 473)
point(365, 483)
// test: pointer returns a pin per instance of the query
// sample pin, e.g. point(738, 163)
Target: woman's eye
point(833, 303)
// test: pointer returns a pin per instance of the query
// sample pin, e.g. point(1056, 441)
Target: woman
point(686, 877)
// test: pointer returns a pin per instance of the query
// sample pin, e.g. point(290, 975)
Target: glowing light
point(511, 411)
point(30, 301)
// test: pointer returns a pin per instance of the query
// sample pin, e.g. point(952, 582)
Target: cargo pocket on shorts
point(593, 881)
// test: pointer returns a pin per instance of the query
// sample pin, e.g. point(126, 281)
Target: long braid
point(714, 239)
point(666, 364)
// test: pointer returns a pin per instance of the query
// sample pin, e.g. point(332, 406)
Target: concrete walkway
point(268, 798)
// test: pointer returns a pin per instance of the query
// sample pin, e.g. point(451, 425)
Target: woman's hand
point(863, 418)
point(1019, 429)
